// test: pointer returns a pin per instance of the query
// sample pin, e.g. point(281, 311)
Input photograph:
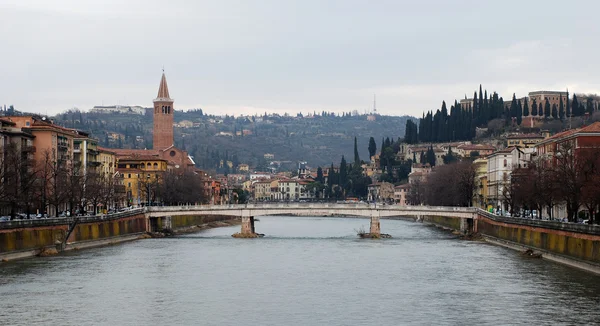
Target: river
point(306, 271)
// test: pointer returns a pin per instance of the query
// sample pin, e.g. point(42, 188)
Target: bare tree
point(451, 185)
point(18, 179)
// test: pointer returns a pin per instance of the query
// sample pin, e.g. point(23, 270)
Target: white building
point(500, 165)
point(123, 109)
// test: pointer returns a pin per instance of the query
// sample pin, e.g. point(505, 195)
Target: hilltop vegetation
point(318, 139)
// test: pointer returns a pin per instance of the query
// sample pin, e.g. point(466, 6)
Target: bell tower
point(163, 117)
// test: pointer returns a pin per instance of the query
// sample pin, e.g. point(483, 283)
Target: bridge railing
point(337, 206)
point(54, 221)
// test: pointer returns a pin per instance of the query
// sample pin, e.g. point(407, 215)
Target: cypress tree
point(372, 147)
point(319, 175)
point(534, 108)
point(343, 173)
point(526, 109)
point(547, 108)
point(554, 111)
point(568, 111)
point(575, 106)
point(356, 157)
point(561, 109)
point(519, 113)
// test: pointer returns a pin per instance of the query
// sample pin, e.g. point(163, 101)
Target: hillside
point(318, 140)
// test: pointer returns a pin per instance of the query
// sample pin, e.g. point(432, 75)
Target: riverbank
point(50, 250)
point(552, 242)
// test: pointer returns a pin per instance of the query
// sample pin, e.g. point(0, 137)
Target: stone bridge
point(247, 212)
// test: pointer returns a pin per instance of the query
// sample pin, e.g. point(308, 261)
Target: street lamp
point(148, 188)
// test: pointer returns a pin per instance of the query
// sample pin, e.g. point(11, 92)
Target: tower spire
point(163, 89)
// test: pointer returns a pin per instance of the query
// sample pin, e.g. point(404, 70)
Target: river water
point(306, 271)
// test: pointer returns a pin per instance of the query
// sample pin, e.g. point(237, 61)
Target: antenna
point(374, 104)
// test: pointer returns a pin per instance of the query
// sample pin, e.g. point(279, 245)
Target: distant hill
point(318, 140)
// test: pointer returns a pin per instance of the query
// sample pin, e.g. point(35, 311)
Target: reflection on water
point(305, 271)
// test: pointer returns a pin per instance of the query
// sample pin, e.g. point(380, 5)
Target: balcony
point(28, 149)
point(63, 145)
point(94, 164)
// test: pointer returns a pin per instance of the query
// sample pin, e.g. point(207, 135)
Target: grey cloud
point(233, 56)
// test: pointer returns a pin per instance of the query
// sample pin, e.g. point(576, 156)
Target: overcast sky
point(252, 56)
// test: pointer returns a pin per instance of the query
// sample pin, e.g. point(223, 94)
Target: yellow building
point(85, 152)
point(524, 140)
point(141, 177)
point(481, 186)
point(107, 159)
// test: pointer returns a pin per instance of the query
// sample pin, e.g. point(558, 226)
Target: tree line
point(29, 187)
point(571, 177)
point(459, 124)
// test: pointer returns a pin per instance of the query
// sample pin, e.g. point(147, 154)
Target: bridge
point(247, 213)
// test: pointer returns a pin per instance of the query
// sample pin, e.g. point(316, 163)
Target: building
point(163, 117)
point(524, 140)
point(481, 184)
point(400, 194)
point(262, 190)
point(465, 150)
point(381, 192)
point(418, 173)
point(466, 104)
point(269, 156)
point(52, 142)
point(554, 98)
point(141, 176)
point(243, 167)
point(108, 161)
point(85, 153)
point(122, 109)
point(289, 189)
point(500, 165)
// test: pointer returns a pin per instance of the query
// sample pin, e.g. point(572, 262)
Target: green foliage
point(372, 147)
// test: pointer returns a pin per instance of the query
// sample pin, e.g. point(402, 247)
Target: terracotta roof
point(8, 122)
point(525, 136)
point(477, 147)
point(140, 158)
point(107, 150)
point(593, 128)
point(404, 186)
point(563, 134)
point(132, 152)
point(163, 89)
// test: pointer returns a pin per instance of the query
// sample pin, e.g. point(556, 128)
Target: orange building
point(50, 139)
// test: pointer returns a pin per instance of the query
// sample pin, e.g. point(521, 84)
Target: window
point(155, 166)
point(129, 175)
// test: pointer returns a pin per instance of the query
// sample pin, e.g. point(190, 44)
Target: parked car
point(4, 218)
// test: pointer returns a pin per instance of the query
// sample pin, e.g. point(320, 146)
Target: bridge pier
point(375, 229)
point(248, 225)
point(248, 230)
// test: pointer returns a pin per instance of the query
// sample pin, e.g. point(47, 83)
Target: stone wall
point(566, 239)
point(183, 221)
point(449, 222)
point(29, 236)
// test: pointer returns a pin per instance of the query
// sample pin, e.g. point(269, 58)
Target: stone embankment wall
point(569, 243)
point(29, 236)
point(579, 241)
point(449, 222)
point(183, 221)
point(19, 239)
